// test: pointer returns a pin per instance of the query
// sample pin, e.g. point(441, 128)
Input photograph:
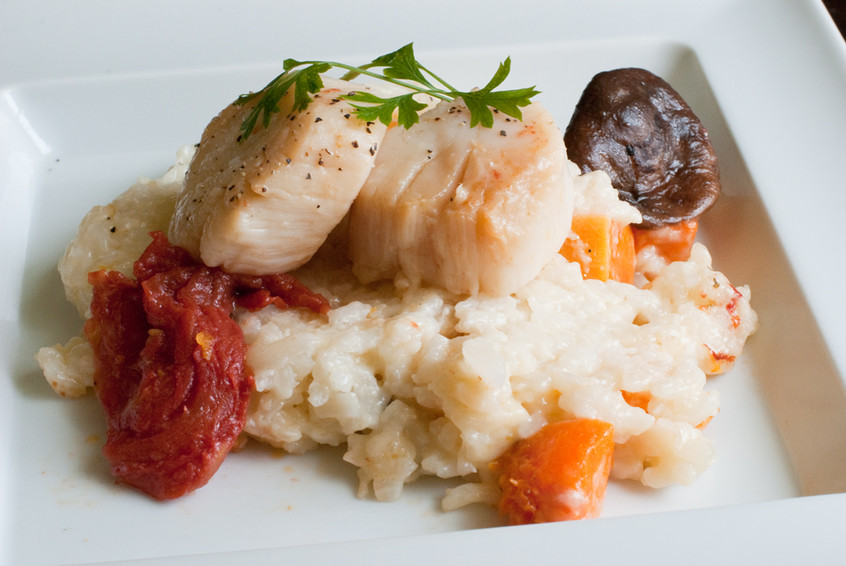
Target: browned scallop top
point(637, 128)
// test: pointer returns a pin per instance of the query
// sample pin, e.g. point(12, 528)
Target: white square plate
point(93, 95)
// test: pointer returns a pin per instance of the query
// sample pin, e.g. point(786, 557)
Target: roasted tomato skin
point(170, 369)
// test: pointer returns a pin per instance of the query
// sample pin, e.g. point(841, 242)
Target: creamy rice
point(416, 381)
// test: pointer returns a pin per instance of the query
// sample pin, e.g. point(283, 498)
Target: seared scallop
point(265, 204)
point(467, 209)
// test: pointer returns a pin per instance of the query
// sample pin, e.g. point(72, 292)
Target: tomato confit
point(170, 367)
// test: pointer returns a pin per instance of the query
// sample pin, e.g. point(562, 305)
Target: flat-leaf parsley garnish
point(401, 68)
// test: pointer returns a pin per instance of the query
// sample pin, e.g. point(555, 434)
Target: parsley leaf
point(382, 109)
point(399, 67)
point(400, 64)
point(306, 81)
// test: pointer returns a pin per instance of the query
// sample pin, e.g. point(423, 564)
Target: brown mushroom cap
point(638, 129)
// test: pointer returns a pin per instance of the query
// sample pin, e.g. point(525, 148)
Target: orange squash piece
point(672, 241)
point(603, 248)
point(639, 399)
point(558, 474)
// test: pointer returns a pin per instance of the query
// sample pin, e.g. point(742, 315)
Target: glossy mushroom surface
point(633, 125)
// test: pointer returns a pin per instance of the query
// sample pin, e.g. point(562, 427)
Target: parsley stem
point(400, 68)
point(448, 86)
point(353, 72)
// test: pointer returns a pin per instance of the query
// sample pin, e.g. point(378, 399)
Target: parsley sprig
point(399, 67)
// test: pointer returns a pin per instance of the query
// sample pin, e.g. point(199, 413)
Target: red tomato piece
point(170, 366)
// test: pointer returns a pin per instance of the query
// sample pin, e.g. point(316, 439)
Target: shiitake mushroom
point(634, 126)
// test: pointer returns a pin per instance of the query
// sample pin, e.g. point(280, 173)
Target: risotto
point(416, 381)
